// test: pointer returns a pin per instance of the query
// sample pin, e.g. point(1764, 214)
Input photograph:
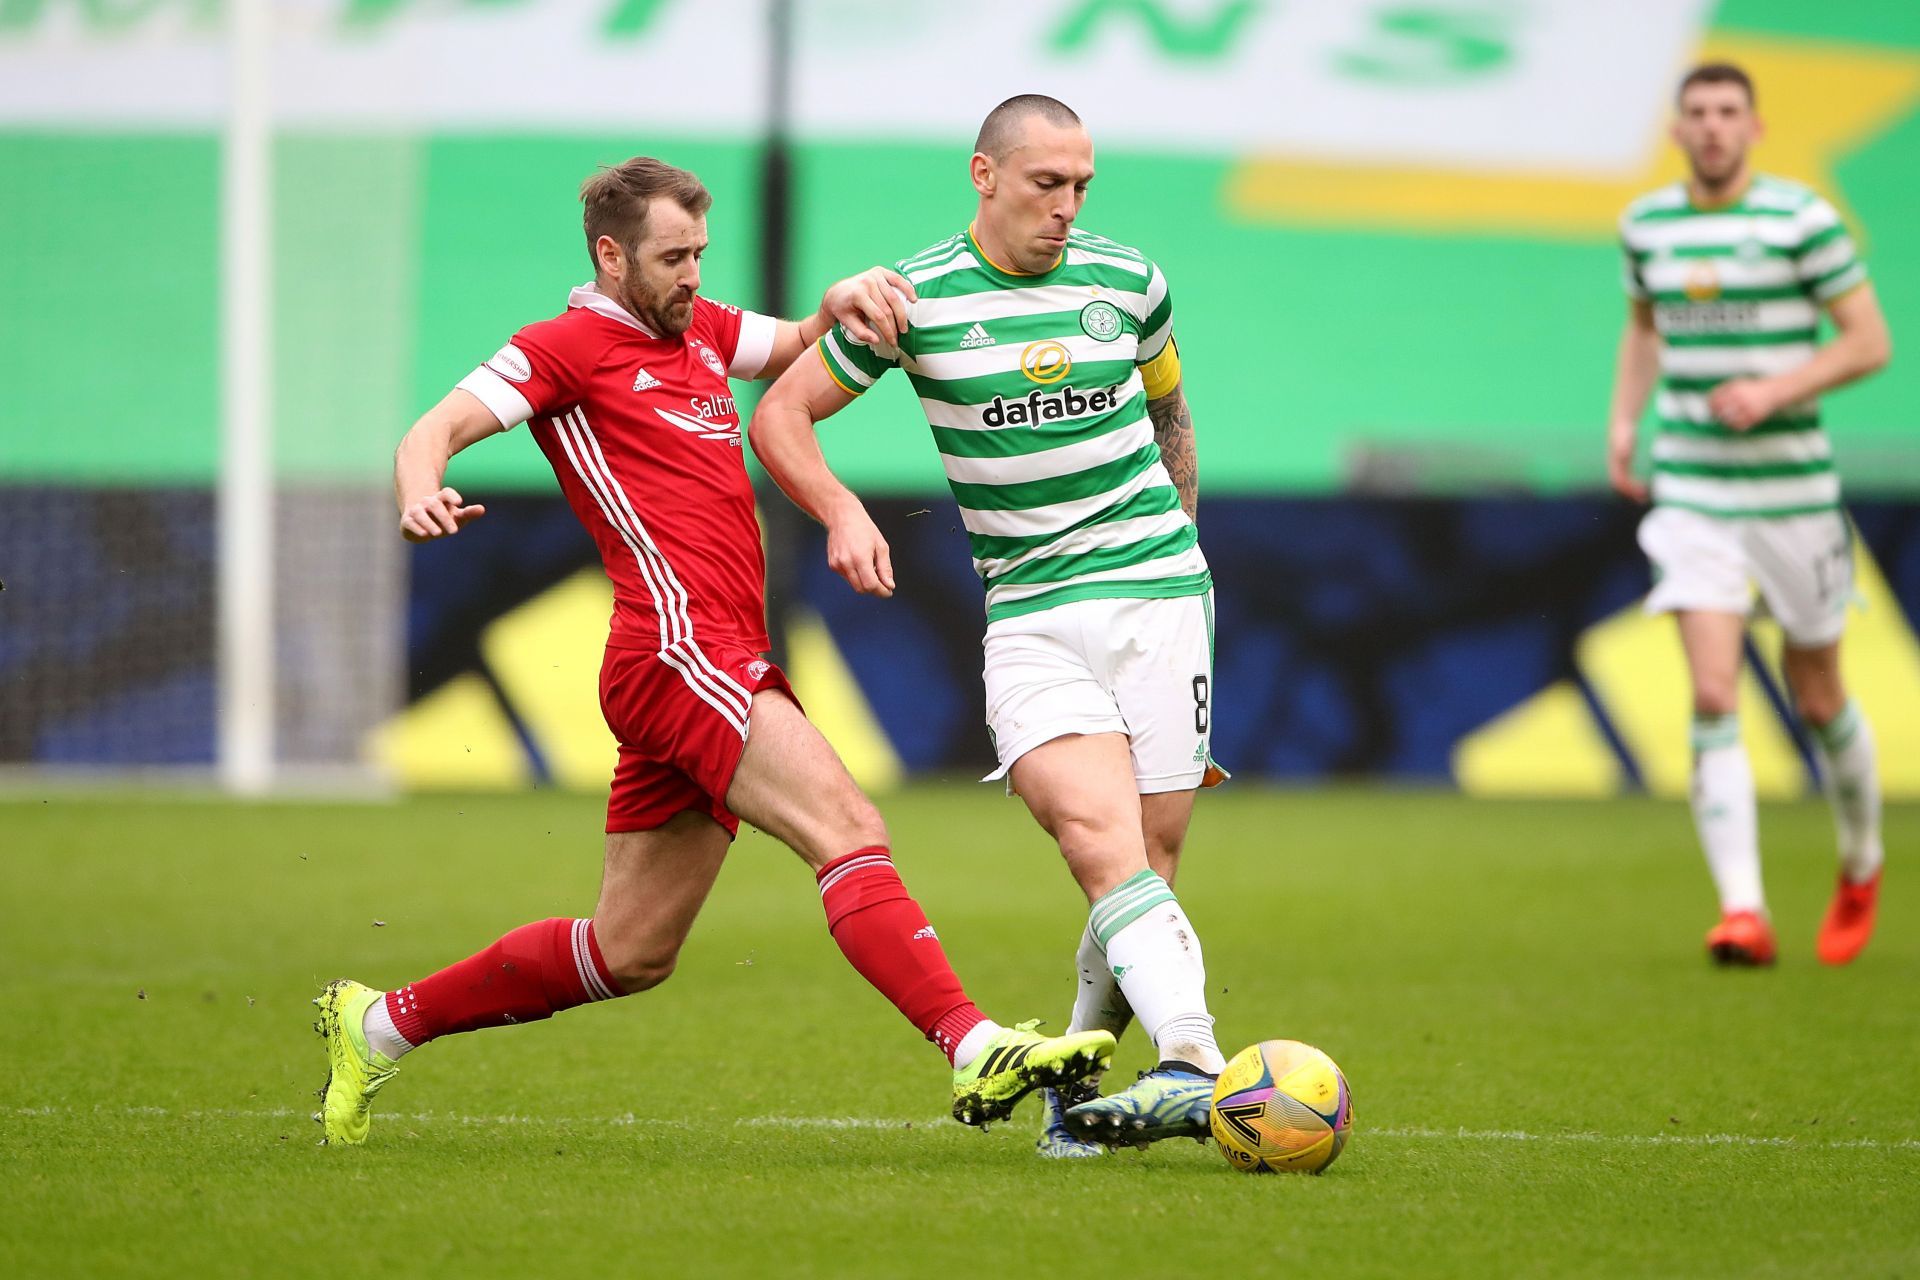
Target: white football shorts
point(1139, 667)
point(1802, 566)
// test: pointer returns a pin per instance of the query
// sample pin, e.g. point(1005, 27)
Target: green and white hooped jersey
point(1737, 291)
point(1032, 386)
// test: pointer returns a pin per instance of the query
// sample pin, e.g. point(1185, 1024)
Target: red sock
point(884, 934)
point(532, 973)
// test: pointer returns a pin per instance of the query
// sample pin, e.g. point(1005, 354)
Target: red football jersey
point(644, 436)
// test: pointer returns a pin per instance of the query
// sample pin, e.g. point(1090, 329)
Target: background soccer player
point(1044, 360)
point(627, 394)
point(1727, 275)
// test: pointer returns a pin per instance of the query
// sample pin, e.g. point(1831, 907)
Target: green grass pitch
point(1549, 1079)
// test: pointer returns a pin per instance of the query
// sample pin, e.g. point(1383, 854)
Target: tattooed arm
point(1173, 432)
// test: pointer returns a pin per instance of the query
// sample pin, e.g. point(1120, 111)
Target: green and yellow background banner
point(1388, 229)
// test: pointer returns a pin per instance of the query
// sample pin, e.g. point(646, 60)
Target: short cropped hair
point(615, 200)
point(1717, 73)
point(1002, 125)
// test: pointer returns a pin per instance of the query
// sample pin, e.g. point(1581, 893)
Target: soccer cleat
point(1017, 1061)
point(1849, 921)
point(354, 1071)
point(1056, 1140)
point(1166, 1102)
point(1741, 938)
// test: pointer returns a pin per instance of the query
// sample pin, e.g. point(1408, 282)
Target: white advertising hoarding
point(1557, 85)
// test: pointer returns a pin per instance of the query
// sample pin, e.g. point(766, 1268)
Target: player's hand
point(871, 306)
point(1744, 403)
point(1620, 446)
point(857, 552)
point(436, 516)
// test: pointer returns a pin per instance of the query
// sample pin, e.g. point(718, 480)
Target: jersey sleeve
point(743, 338)
point(528, 377)
point(1826, 262)
point(1631, 281)
point(1156, 326)
point(851, 363)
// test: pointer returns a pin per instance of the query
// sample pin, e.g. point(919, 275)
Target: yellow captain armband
point(1162, 373)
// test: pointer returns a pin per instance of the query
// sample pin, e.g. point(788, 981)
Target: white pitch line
point(627, 1120)
point(1639, 1139)
point(425, 1117)
point(837, 1122)
point(630, 1120)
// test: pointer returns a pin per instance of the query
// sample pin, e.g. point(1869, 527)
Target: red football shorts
point(680, 717)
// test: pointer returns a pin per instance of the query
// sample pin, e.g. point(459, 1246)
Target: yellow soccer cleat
point(1017, 1061)
point(355, 1072)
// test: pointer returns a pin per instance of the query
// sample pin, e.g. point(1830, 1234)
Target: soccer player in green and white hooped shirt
point(1727, 274)
point(1044, 360)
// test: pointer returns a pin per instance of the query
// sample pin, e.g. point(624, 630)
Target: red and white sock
point(885, 936)
point(529, 974)
point(383, 1037)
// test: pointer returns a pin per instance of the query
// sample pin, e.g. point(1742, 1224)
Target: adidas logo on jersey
point(644, 381)
point(975, 337)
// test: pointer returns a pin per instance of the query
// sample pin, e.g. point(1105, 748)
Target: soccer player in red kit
point(627, 394)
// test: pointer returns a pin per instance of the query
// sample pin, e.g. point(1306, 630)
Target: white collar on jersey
point(593, 300)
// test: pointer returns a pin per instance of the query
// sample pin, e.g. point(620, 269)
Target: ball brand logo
point(1241, 1119)
point(1702, 283)
point(1037, 407)
point(1045, 362)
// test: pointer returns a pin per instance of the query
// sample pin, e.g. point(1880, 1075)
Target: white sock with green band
point(1723, 812)
point(1154, 954)
point(1098, 1004)
point(1853, 787)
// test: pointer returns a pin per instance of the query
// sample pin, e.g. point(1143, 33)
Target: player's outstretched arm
point(1173, 432)
point(428, 509)
point(1634, 368)
point(871, 306)
point(782, 435)
point(1861, 345)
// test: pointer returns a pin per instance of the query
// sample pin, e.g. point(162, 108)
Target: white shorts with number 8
point(1139, 667)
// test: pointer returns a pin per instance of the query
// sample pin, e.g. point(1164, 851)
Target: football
point(1281, 1106)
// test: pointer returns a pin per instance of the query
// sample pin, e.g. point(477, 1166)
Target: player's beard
point(667, 314)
